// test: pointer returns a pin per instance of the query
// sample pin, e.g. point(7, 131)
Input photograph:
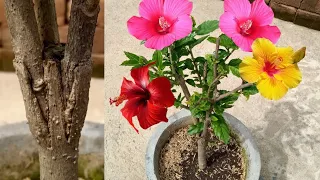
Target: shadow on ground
point(288, 129)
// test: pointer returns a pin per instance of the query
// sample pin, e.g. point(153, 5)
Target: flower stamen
point(245, 27)
point(117, 100)
point(164, 25)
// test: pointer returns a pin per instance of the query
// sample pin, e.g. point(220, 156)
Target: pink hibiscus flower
point(244, 22)
point(162, 22)
point(146, 100)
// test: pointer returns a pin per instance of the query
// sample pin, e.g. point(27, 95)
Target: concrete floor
point(286, 131)
point(12, 107)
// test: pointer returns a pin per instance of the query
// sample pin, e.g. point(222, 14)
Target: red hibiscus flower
point(146, 100)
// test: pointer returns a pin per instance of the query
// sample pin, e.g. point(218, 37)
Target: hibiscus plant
point(168, 27)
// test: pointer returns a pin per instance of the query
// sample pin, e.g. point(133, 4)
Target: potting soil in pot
point(179, 159)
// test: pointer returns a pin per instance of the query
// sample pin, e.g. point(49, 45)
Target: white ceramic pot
point(183, 119)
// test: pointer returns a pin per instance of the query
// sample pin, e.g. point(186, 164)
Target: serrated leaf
point(198, 41)
point(130, 63)
point(248, 91)
point(207, 27)
point(221, 129)
point(225, 41)
point(185, 41)
point(157, 56)
point(195, 129)
point(132, 56)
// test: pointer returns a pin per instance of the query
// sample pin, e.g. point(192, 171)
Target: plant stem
point(195, 64)
point(203, 141)
point(215, 90)
point(180, 80)
point(233, 91)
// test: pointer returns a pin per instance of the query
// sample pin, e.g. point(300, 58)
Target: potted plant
point(202, 141)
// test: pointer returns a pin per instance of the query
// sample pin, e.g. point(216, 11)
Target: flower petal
point(141, 76)
point(264, 49)
point(239, 8)
point(250, 69)
point(272, 88)
point(151, 115)
point(176, 8)
point(243, 42)
point(141, 28)
point(131, 109)
point(228, 24)
point(269, 32)
point(285, 56)
point(290, 76)
point(261, 13)
point(182, 27)
point(160, 92)
point(151, 9)
point(159, 42)
point(131, 90)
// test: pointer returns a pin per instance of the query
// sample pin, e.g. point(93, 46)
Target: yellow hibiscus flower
point(273, 69)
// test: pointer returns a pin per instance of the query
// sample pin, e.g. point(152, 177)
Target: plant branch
point(195, 64)
point(215, 90)
point(226, 58)
point(184, 106)
point(47, 21)
point(25, 39)
point(178, 78)
point(203, 141)
point(233, 91)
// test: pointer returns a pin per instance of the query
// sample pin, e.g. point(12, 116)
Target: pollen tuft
point(117, 100)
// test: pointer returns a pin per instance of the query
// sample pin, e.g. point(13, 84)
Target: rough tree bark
point(54, 78)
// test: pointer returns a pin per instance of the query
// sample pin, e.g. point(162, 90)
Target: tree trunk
point(54, 78)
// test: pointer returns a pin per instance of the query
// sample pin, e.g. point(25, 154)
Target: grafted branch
point(77, 64)
point(28, 63)
point(25, 38)
point(47, 21)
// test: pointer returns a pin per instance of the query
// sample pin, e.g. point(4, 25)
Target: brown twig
point(215, 66)
point(178, 78)
point(233, 91)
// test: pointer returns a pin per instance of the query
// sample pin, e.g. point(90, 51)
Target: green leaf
point(221, 129)
point(198, 41)
point(157, 56)
point(225, 41)
point(235, 62)
point(191, 82)
point(207, 27)
point(193, 21)
point(234, 70)
point(142, 42)
point(132, 56)
point(196, 129)
point(251, 90)
point(185, 41)
point(210, 77)
point(130, 63)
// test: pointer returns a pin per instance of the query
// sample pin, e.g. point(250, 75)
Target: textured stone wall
point(302, 12)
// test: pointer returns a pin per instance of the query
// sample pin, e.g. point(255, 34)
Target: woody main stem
point(180, 80)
